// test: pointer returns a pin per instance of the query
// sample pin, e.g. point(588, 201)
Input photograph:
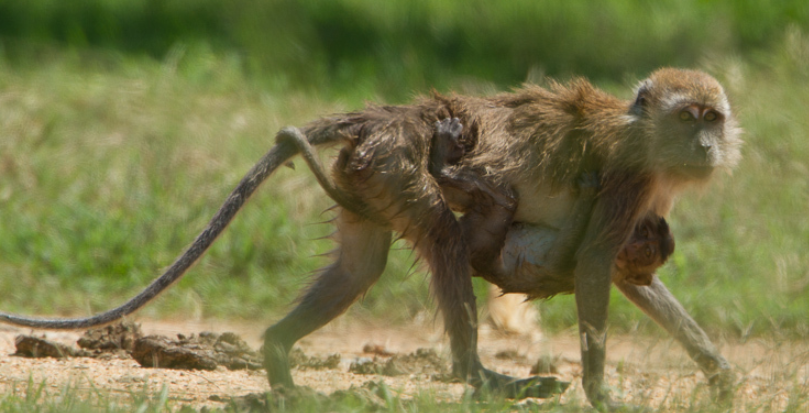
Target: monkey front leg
point(658, 303)
point(592, 290)
point(592, 281)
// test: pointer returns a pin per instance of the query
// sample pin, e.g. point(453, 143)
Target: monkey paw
point(511, 388)
point(723, 386)
point(450, 127)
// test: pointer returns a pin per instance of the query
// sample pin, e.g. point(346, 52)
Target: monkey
point(675, 133)
point(490, 212)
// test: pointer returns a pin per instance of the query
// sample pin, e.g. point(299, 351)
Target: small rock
point(121, 336)
point(30, 346)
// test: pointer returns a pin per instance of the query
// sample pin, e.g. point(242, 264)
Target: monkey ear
point(641, 98)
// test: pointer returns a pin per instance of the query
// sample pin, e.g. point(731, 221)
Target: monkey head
point(649, 247)
point(688, 117)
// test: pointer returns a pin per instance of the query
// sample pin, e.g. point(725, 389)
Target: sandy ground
point(640, 370)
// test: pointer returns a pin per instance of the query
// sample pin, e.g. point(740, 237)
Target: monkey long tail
point(277, 156)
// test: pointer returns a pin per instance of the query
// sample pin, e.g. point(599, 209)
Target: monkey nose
point(706, 150)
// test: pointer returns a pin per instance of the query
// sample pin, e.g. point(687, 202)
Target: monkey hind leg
point(361, 258)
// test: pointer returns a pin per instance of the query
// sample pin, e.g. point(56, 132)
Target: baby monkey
point(649, 248)
point(489, 210)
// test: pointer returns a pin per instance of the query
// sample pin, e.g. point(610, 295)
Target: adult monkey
point(675, 132)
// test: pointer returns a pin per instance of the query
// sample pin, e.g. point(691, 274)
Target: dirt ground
point(640, 370)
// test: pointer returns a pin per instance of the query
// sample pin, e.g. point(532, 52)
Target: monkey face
point(638, 261)
point(640, 254)
point(693, 137)
point(688, 118)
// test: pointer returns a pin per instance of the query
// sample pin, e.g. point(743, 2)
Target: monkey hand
point(503, 197)
point(449, 127)
point(489, 382)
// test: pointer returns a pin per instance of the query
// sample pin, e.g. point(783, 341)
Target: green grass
point(365, 48)
point(70, 399)
point(786, 395)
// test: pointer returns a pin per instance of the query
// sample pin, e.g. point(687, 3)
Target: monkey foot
point(723, 387)
point(276, 362)
point(512, 388)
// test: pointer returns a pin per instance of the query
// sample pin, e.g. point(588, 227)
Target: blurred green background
point(124, 124)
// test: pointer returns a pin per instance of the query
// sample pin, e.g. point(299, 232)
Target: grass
point(364, 48)
point(783, 391)
point(110, 171)
point(70, 399)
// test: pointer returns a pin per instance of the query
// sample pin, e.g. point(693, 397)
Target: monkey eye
point(710, 116)
point(645, 233)
point(686, 116)
point(648, 252)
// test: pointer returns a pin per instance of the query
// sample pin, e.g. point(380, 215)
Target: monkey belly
point(556, 204)
point(524, 256)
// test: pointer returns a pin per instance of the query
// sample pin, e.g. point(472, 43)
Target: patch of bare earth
point(408, 359)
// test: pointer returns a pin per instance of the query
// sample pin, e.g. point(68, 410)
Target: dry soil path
point(644, 370)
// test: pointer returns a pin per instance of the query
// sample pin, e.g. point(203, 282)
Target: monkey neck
point(661, 199)
point(602, 138)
